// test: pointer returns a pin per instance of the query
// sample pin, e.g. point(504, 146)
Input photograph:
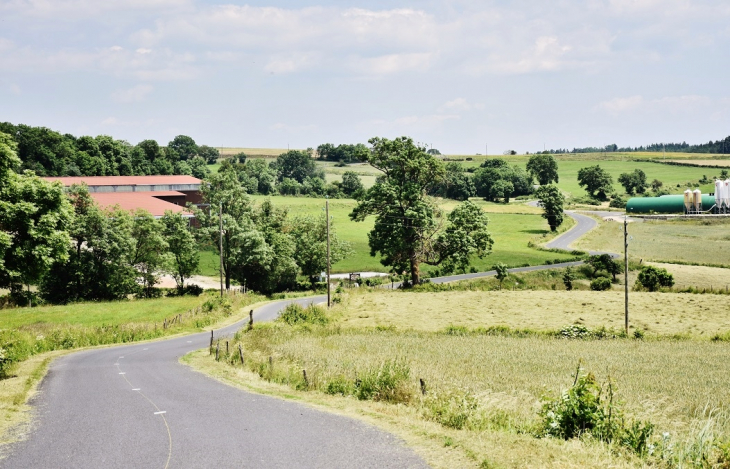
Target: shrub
point(583, 409)
point(294, 313)
point(617, 202)
point(387, 382)
point(601, 284)
point(568, 278)
point(651, 278)
point(451, 409)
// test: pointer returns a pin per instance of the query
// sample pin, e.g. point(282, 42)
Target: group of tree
point(50, 153)
point(345, 153)
point(718, 147)
point(72, 250)
point(292, 173)
point(262, 247)
point(498, 180)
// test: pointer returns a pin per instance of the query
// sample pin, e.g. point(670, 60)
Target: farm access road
point(137, 406)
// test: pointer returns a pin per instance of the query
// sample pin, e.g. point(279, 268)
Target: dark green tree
point(551, 200)
point(184, 256)
point(568, 278)
point(501, 272)
point(651, 278)
point(544, 168)
point(351, 183)
point(198, 167)
point(408, 227)
point(296, 165)
point(310, 239)
point(182, 147)
point(211, 155)
point(34, 218)
point(596, 181)
point(634, 182)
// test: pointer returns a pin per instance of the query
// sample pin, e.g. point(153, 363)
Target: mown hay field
point(673, 241)
point(540, 310)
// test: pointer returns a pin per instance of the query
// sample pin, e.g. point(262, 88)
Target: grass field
point(99, 314)
point(511, 232)
point(493, 384)
point(677, 241)
point(655, 313)
point(253, 152)
point(717, 162)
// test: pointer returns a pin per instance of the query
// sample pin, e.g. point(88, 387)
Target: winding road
point(137, 406)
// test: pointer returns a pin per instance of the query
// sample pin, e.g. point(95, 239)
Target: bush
point(387, 382)
point(617, 202)
point(651, 278)
point(601, 284)
point(583, 409)
point(294, 313)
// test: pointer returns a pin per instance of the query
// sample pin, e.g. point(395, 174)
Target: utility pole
point(327, 217)
point(626, 276)
point(220, 241)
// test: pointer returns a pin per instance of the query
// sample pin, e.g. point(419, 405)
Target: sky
point(461, 76)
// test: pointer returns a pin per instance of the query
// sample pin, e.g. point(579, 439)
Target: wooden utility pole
point(327, 217)
point(220, 242)
point(626, 276)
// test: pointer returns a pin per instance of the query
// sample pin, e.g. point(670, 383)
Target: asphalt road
point(136, 406)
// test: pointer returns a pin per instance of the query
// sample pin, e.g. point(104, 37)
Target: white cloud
point(291, 63)
point(391, 63)
point(460, 104)
point(617, 105)
point(132, 95)
point(666, 105)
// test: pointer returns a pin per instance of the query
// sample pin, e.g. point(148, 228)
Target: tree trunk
point(415, 273)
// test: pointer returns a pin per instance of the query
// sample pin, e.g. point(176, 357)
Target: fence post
point(210, 347)
point(217, 347)
point(306, 381)
point(240, 353)
point(423, 386)
point(250, 320)
point(226, 348)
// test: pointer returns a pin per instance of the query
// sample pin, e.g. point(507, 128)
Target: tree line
point(717, 147)
point(50, 153)
point(70, 249)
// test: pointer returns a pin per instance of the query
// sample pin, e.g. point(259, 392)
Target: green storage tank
point(664, 204)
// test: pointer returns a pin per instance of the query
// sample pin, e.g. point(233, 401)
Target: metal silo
point(688, 201)
point(726, 194)
point(719, 186)
point(697, 200)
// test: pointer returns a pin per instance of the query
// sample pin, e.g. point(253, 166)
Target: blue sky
point(455, 74)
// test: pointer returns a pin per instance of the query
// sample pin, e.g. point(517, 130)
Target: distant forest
point(50, 153)
point(718, 147)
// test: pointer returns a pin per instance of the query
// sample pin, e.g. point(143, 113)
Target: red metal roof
point(139, 200)
point(124, 180)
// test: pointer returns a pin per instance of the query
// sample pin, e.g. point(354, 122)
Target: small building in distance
point(156, 194)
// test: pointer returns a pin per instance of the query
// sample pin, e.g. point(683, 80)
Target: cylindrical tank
point(719, 192)
point(664, 204)
point(687, 200)
point(726, 193)
point(697, 200)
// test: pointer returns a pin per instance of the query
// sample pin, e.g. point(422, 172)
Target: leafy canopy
point(409, 228)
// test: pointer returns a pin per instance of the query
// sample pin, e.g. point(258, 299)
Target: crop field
point(674, 241)
point(252, 152)
point(511, 232)
point(696, 276)
point(718, 162)
point(486, 389)
point(654, 313)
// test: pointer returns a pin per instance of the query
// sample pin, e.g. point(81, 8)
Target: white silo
point(726, 194)
point(719, 185)
point(697, 200)
point(688, 201)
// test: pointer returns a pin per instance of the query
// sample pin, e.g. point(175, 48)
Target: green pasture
point(99, 314)
point(689, 241)
point(511, 232)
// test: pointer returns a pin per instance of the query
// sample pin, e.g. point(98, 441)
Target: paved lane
point(136, 406)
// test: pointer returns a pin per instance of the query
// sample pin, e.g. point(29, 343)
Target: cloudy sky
point(457, 74)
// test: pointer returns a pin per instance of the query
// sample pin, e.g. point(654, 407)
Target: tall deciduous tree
point(183, 147)
point(596, 181)
point(223, 189)
point(544, 168)
point(551, 201)
point(634, 182)
point(149, 249)
point(409, 228)
point(295, 164)
point(184, 255)
point(310, 238)
point(34, 216)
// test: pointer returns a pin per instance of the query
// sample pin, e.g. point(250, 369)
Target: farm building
point(156, 194)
